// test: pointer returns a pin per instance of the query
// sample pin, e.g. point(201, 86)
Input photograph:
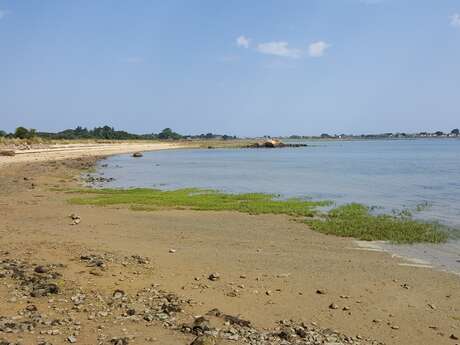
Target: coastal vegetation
point(352, 220)
point(199, 199)
point(357, 221)
point(106, 133)
point(109, 133)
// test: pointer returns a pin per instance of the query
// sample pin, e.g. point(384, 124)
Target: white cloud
point(3, 13)
point(317, 49)
point(455, 20)
point(243, 41)
point(278, 49)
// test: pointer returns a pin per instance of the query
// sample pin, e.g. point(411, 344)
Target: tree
point(2, 133)
point(439, 133)
point(168, 133)
point(455, 132)
point(23, 133)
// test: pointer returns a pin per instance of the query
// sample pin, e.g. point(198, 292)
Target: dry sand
point(270, 267)
point(69, 151)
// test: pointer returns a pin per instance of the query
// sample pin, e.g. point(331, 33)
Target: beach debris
point(214, 276)
point(453, 337)
point(172, 251)
point(321, 292)
point(146, 305)
point(137, 154)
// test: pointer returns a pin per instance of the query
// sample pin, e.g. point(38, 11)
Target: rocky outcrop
point(273, 143)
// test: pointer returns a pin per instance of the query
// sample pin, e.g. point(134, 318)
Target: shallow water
point(392, 174)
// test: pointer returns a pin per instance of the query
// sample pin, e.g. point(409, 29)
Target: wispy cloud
point(133, 60)
point(455, 20)
point(3, 13)
point(279, 49)
point(243, 41)
point(317, 49)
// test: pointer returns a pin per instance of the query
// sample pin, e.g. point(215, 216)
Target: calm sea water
point(393, 174)
point(390, 174)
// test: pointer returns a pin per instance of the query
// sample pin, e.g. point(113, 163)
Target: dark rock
point(119, 341)
point(41, 269)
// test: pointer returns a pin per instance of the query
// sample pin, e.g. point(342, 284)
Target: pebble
point(214, 276)
point(333, 306)
point(71, 339)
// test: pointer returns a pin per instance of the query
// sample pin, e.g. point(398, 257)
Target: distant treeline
point(108, 133)
point(454, 133)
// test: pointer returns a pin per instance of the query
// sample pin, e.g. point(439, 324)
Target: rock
point(117, 294)
point(41, 269)
point(333, 306)
point(119, 341)
point(200, 325)
point(204, 340)
point(71, 339)
point(172, 251)
point(137, 154)
point(75, 219)
point(453, 337)
point(44, 289)
point(321, 292)
point(214, 276)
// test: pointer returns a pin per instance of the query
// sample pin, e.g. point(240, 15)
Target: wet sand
point(270, 268)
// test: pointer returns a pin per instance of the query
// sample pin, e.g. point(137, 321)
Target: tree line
point(107, 133)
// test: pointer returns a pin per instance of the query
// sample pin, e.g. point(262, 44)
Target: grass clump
point(356, 220)
point(198, 199)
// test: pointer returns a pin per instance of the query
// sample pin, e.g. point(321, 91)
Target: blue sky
point(237, 67)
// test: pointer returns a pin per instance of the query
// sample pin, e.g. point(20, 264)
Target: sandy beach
point(69, 151)
point(113, 266)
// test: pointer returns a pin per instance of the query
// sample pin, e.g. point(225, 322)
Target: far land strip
point(85, 274)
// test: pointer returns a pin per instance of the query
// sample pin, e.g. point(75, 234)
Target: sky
point(246, 68)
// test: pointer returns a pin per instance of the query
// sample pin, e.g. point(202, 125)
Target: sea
point(420, 175)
